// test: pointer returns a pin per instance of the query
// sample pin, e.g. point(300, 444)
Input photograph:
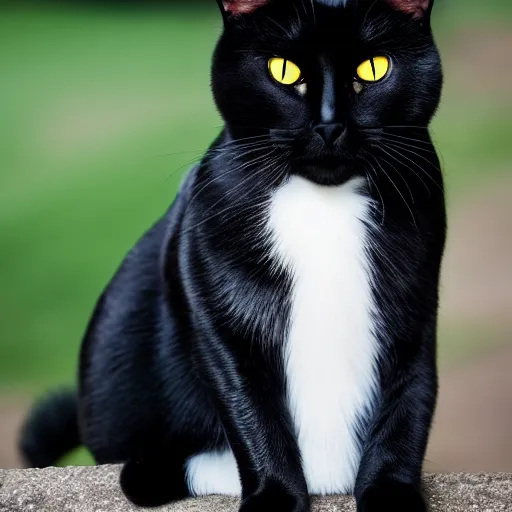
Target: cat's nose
point(330, 132)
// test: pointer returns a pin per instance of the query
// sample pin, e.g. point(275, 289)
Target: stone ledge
point(95, 489)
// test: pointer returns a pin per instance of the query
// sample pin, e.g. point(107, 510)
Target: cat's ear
point(418, 8)
point(235, 7)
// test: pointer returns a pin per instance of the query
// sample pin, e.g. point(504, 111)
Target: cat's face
point(322, 77)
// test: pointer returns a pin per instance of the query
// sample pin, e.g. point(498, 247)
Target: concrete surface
point(95, 489)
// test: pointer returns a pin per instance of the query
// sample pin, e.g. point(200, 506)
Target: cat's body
point(274, 334)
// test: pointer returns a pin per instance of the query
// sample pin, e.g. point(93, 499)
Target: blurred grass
point(100, 113)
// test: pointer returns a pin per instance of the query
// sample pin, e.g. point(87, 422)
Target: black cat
point(274, 334)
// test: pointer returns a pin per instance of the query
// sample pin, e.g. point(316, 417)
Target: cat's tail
point(51, 430)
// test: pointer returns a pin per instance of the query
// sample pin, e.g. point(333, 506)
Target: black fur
point(183, 353)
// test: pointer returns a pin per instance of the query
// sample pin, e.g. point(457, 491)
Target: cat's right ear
point(231, 8)
point(418, 8)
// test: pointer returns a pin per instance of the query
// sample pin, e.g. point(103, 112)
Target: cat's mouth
point(326, 170)
point(325, 162)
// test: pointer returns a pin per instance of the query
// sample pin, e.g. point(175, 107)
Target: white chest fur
point(330, 353)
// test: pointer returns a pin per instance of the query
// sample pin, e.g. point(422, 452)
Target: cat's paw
point(274, 497)
point(150, 483)
point(392, 497)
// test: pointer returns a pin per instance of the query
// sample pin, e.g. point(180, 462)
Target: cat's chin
point(331, 173)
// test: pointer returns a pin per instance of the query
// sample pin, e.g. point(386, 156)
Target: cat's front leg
point(390, 472)
point(245, 384)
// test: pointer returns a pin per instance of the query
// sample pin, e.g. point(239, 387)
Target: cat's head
point(323, 77)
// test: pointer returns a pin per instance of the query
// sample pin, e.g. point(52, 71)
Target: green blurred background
point(102, 110)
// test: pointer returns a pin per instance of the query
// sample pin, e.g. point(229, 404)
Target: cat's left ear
point(420, 9)
point(235, 7)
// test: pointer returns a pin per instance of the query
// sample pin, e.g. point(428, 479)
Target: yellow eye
point(284, 71)
point(374, 69)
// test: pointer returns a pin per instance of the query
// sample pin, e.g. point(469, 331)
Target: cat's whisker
point(248, 153)
point(201, 152)
point(398, 151)
point(243, 151)
point(313, 11)
point(262, 158)
point(235, 204)
point(365, 19)
point(187, 164)
point(419, 156)
point(239, 147)
point(275, 130)
point(399, 143)
point(402, 163)
point(401, 177)
point(234, 149)
point(244, 139)
point(398, 190)
point(410, 139)
point(176, 153)
point(262, 144)
point(391, 127)
point(299, 19)
point(266, 163)
point(378, 190)
point(261, 136)
point(238, 150)
point(402, 156)
point(405, 127)
point(226, 173)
